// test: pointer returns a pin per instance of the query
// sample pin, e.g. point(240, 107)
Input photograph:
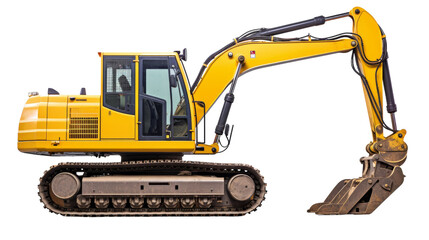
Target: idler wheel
point(65, 185)
point(241, 187)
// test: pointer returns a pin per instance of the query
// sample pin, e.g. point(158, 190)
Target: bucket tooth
point(361, 195)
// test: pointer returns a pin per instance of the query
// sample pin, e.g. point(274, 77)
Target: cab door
point(163, 106)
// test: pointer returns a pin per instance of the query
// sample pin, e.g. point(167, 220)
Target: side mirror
point(173, 80)
point(184, 55)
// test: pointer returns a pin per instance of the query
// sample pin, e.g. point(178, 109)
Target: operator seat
point(125, 85)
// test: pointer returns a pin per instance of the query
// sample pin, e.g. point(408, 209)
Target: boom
point(263, 49)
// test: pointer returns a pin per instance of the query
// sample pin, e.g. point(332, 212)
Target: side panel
point(116, 125)
point(153, 185)
point(112, 146)
point(32, 125)
point(57, 118)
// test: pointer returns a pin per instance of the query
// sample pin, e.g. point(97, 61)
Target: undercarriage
point(152, 188)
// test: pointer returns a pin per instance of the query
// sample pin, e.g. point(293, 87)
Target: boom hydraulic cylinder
point(229, 99)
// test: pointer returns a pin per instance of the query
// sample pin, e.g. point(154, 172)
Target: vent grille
point(83, 124)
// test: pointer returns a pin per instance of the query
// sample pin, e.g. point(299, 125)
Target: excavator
point(150, 115)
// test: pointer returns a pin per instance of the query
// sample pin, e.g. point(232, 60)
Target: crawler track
point(224, 206)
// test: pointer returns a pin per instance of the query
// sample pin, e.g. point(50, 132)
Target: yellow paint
point(136, 95)
point(32, 125)
point(57, 117)
point(208, 149)
point(366, 26)
point(117, 125)
point(137, 54)
point(107, 146)
point(221, 70)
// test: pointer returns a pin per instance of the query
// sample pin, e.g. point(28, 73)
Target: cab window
point(118, 83)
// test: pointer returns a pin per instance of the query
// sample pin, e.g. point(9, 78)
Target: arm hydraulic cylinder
point(390, 99)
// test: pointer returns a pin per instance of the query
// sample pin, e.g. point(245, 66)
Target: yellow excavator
point(150, 115)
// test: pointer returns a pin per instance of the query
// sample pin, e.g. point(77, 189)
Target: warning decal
point(252, 54)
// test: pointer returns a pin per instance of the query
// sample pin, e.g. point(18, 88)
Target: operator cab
point(143, 111)
point(148, 90)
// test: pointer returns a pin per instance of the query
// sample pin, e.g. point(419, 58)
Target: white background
point(313, 131)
